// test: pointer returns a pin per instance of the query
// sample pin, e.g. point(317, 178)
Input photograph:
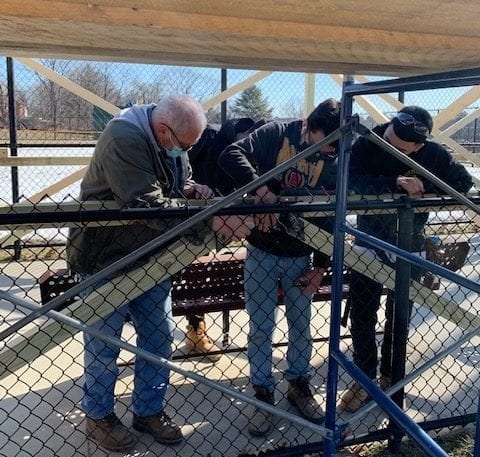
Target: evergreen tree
point(251, 103)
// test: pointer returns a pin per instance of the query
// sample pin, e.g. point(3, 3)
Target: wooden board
point(330, 36)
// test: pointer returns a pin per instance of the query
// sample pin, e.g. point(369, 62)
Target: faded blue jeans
point(151, 314)
point(262, 272)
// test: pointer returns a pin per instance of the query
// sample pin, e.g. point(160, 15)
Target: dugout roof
point(388, 37)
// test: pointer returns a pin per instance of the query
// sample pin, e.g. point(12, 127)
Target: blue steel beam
point(415, 259)
point(412, 429)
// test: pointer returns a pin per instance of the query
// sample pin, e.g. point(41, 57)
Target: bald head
point(183, 114)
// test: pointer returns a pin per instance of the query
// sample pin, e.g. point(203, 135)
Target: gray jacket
point(128, 166)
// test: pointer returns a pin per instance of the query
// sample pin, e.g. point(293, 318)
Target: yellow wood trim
point(43, 161)
point(70, 85)
point(309, 93)
point(100, 303)
point(369, 266)
point(457, 106)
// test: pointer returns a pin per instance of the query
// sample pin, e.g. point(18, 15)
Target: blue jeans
point(151, 314)
point(262, 273)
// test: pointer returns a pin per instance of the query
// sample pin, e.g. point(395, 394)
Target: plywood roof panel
point(343, 36)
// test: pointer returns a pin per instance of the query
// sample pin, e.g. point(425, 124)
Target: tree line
point(46, 105)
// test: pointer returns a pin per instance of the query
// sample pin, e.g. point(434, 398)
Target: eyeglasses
point(418, 127)
point(184, 147)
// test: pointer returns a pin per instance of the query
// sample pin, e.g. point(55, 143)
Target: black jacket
point(267, 147)
point(374, 171)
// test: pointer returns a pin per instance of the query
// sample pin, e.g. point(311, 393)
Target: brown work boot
point(160, 426)
point(384, 382)
point(261, 422)
point(198, 342)
point(300, 396)
point(353, 398)
point(110, 434)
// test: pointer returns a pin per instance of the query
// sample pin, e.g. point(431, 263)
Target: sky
point(283, 90)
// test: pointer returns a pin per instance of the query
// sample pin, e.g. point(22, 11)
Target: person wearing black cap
point(374, 171)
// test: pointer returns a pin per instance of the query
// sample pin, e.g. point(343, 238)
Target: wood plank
point(254, 23)
point(309, 94)
point(16, 161)
point(457, 106)
point(351, 39)
point(70, 86)
point(369, 266)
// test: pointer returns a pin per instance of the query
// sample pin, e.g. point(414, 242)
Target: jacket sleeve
point(127, 164)
point(242, 159)
point(453, 173)
point(362, 178)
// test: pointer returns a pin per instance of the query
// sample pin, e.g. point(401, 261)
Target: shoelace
point(165, 419)
point(111, 420)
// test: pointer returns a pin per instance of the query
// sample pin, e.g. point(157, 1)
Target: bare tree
point(185, 81)
point(293, 108)
point(96, 78)
point(142, 92)
point(45, 100)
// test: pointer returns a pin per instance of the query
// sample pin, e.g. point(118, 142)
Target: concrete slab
point(39, 413)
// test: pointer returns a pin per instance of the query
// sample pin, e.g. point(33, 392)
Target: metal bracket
point(351, 124)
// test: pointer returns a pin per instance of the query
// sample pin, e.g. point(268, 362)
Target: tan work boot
point(384, 382)
point(300, 396)
point(261, 422)
point(110, 434)
point(198, 342)
point(160, 426)
point(353, 398)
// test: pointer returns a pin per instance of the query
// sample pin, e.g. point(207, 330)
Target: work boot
point(110, 434)
point(300, 396)
point(198, 342)
point(353, 398)
point(261, 422)
point(160, 426)
point(384, 382)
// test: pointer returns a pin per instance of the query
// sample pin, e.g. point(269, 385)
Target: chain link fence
point(210, 394)
point(42, 380)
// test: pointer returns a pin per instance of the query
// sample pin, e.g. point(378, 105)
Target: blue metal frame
point(336, 358)
point(460, 78)
point(337, 284)
point(477, 434)
point(415, 259)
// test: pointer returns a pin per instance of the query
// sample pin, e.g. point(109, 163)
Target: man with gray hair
point(140, 160)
